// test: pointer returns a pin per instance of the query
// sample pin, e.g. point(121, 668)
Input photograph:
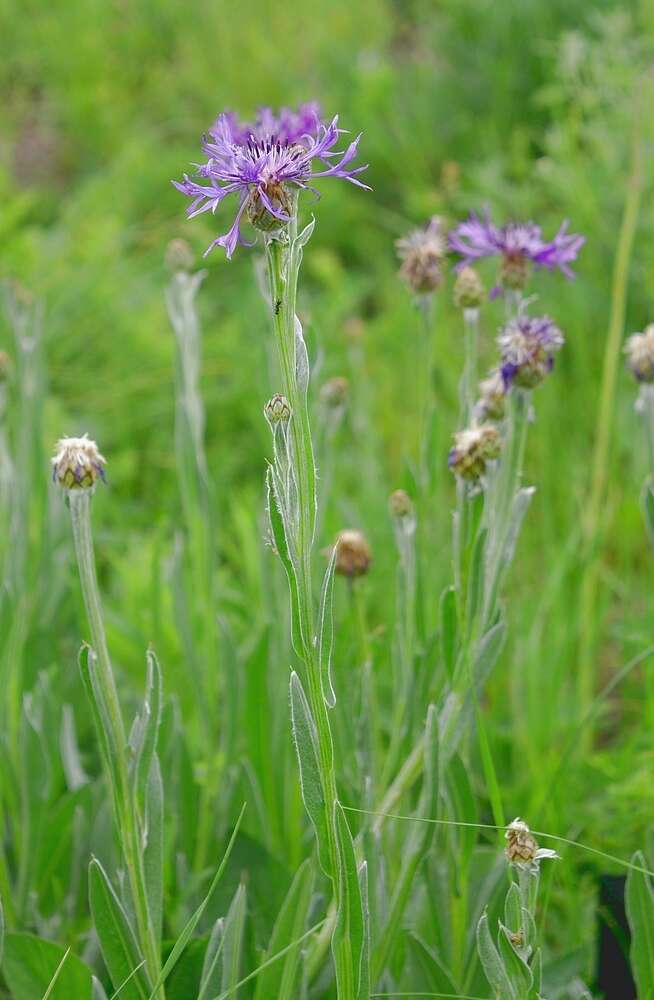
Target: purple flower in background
point(528, 345)
point(264, 164)
point(518, 244)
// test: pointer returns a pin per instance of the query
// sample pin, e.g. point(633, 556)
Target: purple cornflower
point(518, 244)
point(265, 164)
point(528, 345)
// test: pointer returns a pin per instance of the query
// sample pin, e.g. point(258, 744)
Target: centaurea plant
point(266, 165)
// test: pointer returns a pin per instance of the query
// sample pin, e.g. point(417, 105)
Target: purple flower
point(528, 345)
point(518, 243)
point(264, 164)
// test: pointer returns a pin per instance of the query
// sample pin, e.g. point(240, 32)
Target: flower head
point(277, 410)
point(77, 463)
point(473, 448)
point(468, 289)
point(522, 849)
point(265, 165)
point(639, 349)
point(353, 556)
point(528, 345)
point(492, 396)
point(422, 252)
point(519, 244)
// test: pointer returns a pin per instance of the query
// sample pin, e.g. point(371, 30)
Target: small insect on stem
point(278, 306)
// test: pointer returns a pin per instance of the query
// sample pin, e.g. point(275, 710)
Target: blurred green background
point(530, 108)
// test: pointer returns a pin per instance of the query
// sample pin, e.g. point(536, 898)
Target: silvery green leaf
point(278, 533)
point(303, 238)
point(117, 941)
point(513, 908)
point(537, 974)
point(97, 990)
point(143, 739)
point(348, 940)
point(492, 963)
point(306, 745)
point(232, 945)
point(516, 968)
point(153, 846)
point(325, 638)
point(519, 508)
point(70, 755)
point(301, 359)
point(364, 979)
point(476, 578)
point(449, 629)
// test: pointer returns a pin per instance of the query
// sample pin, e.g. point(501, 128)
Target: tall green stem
point(125, 812)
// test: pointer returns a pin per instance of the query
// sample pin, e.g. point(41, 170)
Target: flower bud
point(473, 448)
point(258, 213)
point(399, 504)
point(514, 272)
point(492, 396)
point(468, 289)
point(277, 410)
point(522, 848)
point(639, 349)
point(77, 464)
point(179, 256)
point(353, 556)
point(422, 253)
point(334, 392)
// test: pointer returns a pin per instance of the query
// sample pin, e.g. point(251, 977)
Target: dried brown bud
point(522, 848)
point(468, 289)
point(353, 556)
point(399, 504)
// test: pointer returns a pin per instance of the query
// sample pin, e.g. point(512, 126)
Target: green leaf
point(279, 537)
point(348, 941)
point(639, 902)
point(364, 979)
point(2, 931)
point(232, 945)
point(476, 579)
point(513, 909)
point(153, 851)
point(434, 975)
point(449, 629)
point(326, 632)
point(211, 967)
point(58, 971)
point(516, 968)
point(279, 980)
point(647, 505)
point(193, 921)
point(117, 941)
point(30, 965)
point(492, 963)
point(143, 738)
point(306, 745)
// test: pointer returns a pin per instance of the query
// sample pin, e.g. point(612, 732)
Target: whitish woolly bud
point(492, 396)
point(353, 556)
point(522, 848)
point(179, 256)
point(399, 504)
point(77, 463)
point(469, 291)
point(422, 252)
point(639, 349)
point(277, 410)
point(473, 448)
point(334, 392)
point(5, 367)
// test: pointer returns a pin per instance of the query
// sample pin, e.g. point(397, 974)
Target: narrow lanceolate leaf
point(326, 633)
point(117, 941)
point(492, 963)
point(87, 666)
point(639, 899)
point(58, 970)
point(647, 504)
point(153, 848)
point(348, 941)
point(280, 980)
point(233, 940)
point(306, 745)
point(519, 508)
point(98, 991)
point(212, 966)
point(279, 538)
point(517, 970)
point(193, 921)
point(449, 629)
point(145, 730)
point(364, 978)
point(477, 576)
point(435, 976)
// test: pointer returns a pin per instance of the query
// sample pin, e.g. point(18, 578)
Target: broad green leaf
point(232, 944)
point(492, 963)
point(193, 921)
point(348, 941)
point(326, 632)
point(117, 941)
point(29, 967)
point(639, 901)
point(306, 745)
point(279, 980)
point(449, 629)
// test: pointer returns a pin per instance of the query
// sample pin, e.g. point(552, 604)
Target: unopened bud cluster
point(277, 410)
point(473, 449)
point(77, 464)
point(639, 349)
point(422, 253)
point(353, 555)
point(400, 505)
point(468, 289)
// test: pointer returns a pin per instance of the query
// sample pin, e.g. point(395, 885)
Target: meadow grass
point(537, 111)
